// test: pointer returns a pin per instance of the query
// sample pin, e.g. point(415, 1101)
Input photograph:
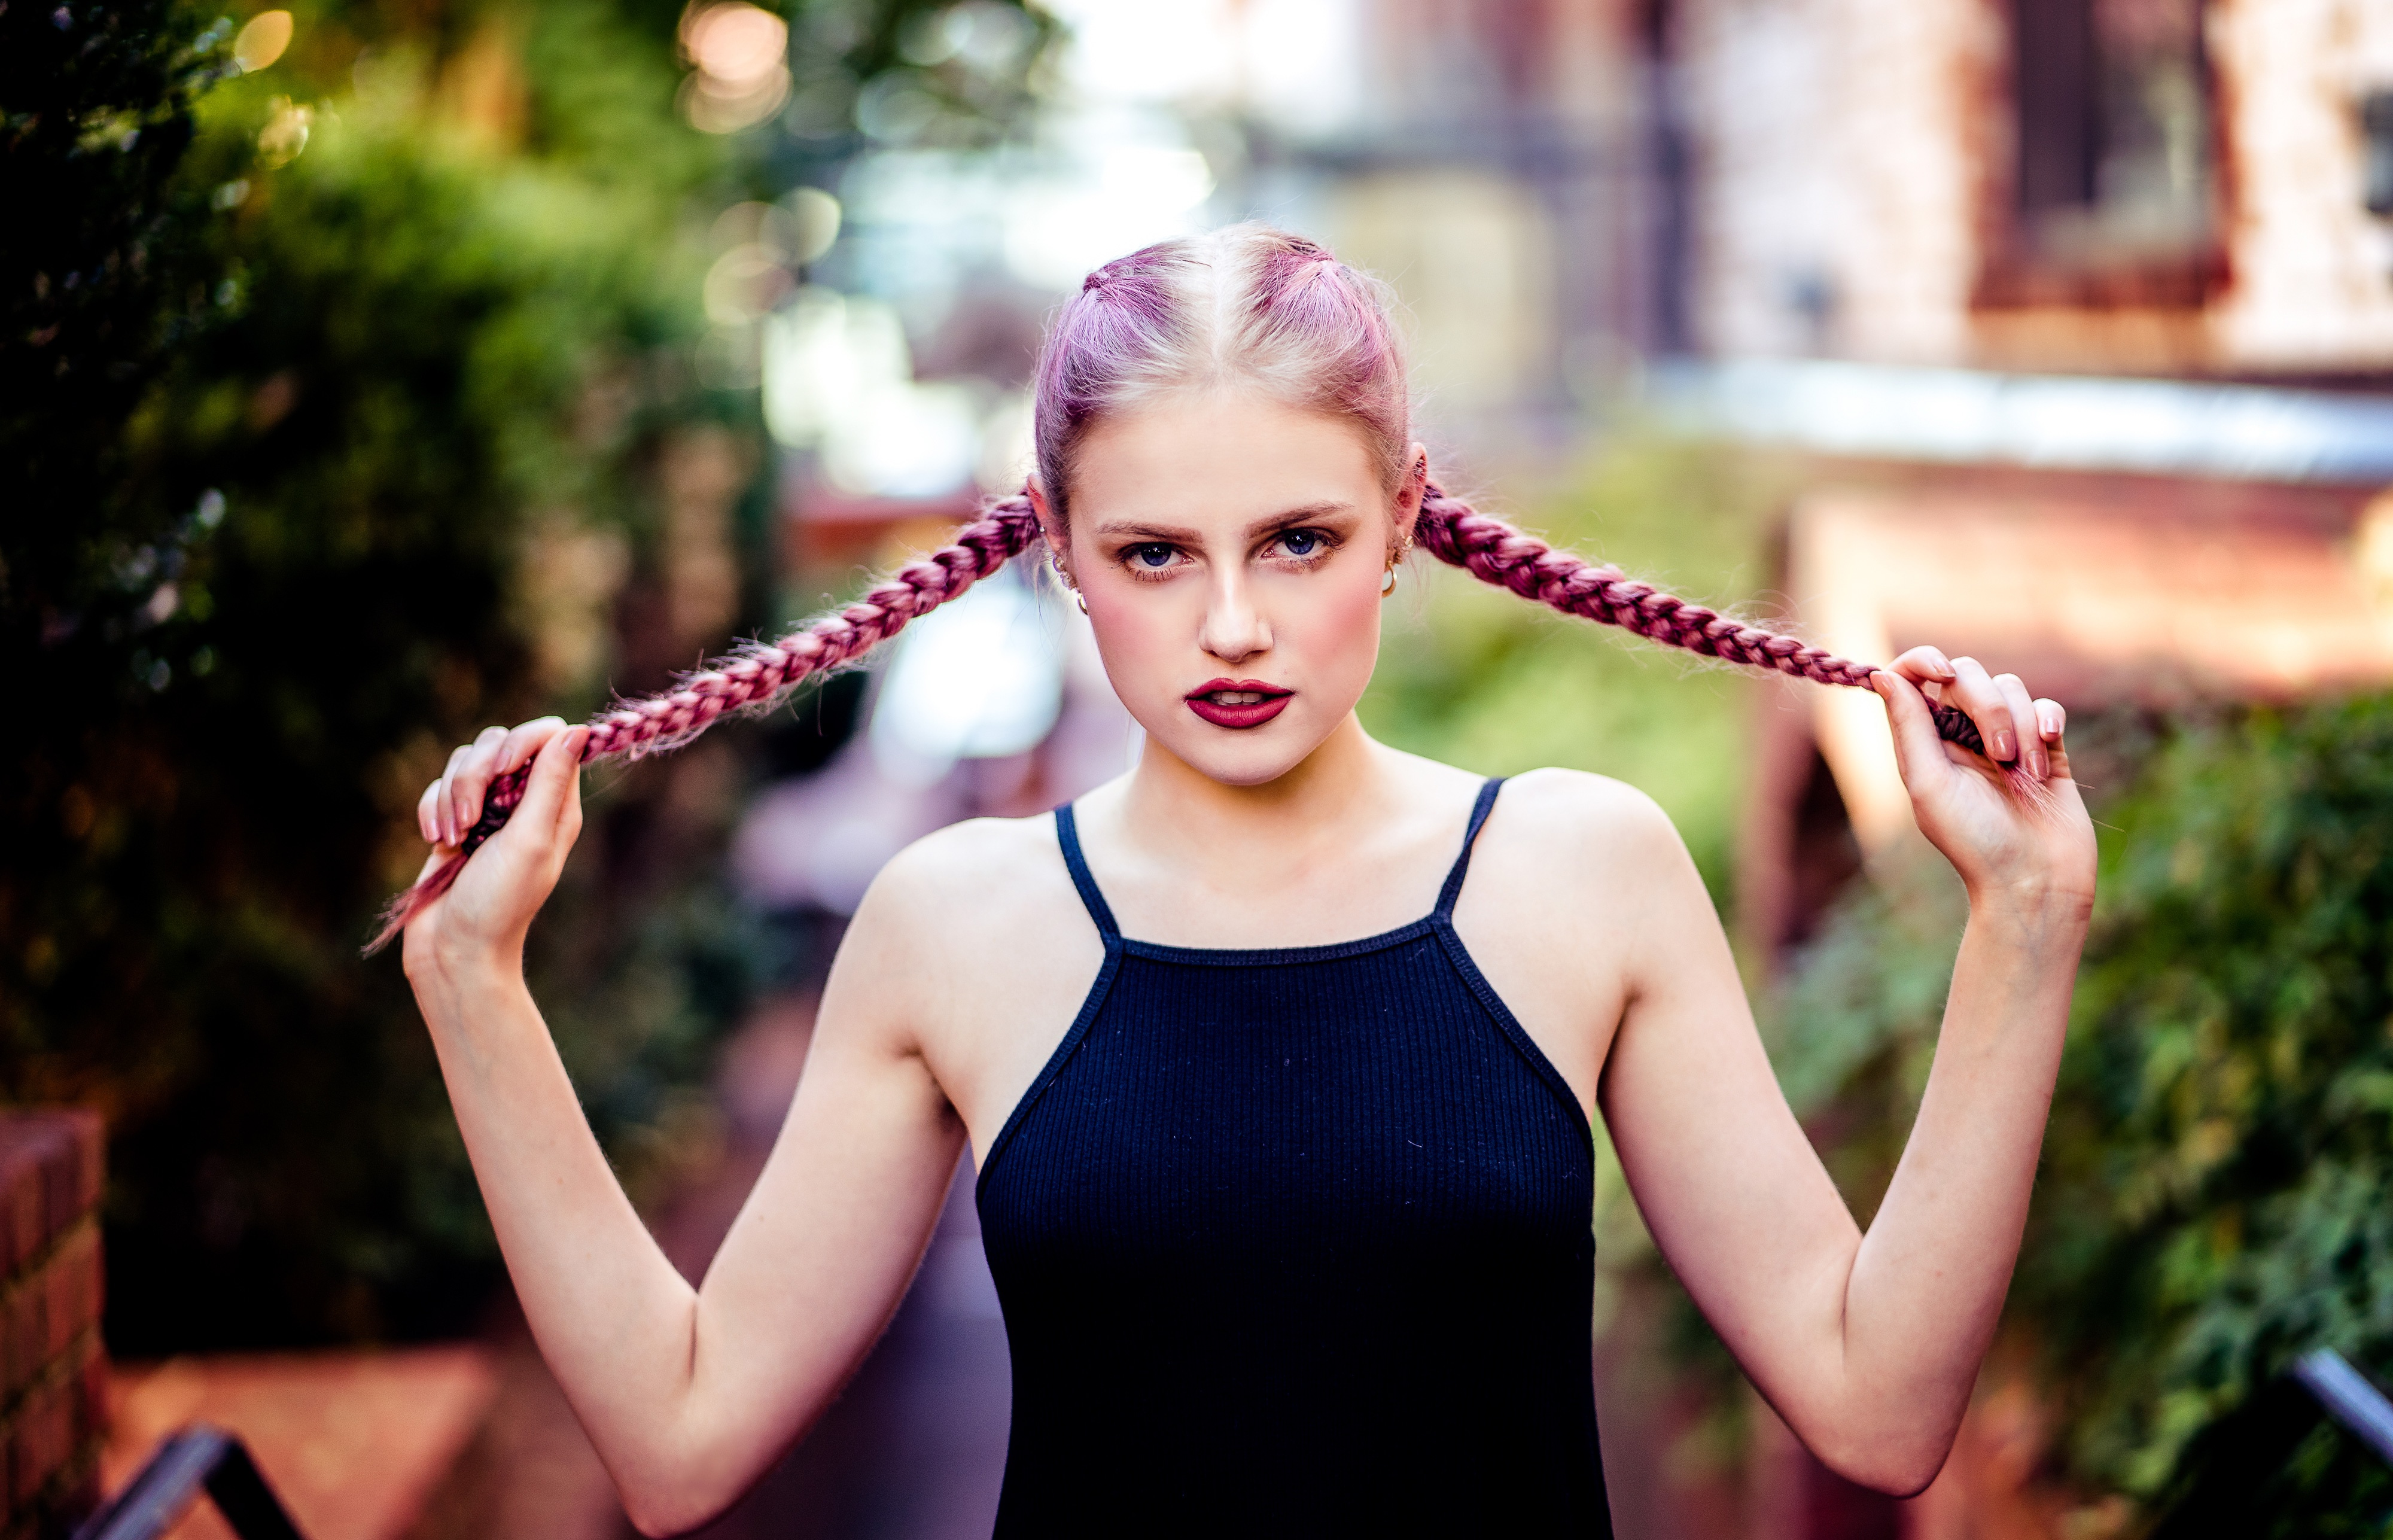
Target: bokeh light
point(262, 40)
point(742, 71)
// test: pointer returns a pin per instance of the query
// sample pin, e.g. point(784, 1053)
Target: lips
point(1238, 702)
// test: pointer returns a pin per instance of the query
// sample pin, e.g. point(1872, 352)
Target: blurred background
point(375, 370)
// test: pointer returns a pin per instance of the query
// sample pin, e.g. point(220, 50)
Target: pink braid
point(1494, 552)
point(754, 679)
point(757, 676)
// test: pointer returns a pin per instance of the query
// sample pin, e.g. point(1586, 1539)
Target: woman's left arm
point(1869, 1345)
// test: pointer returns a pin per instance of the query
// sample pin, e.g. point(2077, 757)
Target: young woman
point(1277, 1056)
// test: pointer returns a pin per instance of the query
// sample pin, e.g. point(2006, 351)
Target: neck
point(1177, 814)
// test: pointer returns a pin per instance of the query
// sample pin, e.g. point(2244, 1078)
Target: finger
point(442, 833)
point(427, 817)
point(525, 741)
point(1975, 692)
point(2052, 725)
point(556, 783)
point(2022, 710)
point(1924, 665)
point(1916, 743)
point(472, 777)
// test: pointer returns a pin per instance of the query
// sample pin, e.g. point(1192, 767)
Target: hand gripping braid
point(751, 680)
point(758, 676)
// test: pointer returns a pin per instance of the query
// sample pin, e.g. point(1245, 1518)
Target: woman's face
point(1230, 551)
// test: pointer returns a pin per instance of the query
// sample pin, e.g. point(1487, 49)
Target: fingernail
point(2006, 745)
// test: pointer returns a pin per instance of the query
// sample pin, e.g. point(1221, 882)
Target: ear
point(1059, 542)
point(1410, 490)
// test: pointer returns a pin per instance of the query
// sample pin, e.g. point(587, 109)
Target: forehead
point(1219, 458)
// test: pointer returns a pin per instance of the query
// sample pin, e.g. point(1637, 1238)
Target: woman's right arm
point(688, 1394)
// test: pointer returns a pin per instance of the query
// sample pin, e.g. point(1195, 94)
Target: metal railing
point(199, 1458)
point(2263, 1466)
point(2356, 1404)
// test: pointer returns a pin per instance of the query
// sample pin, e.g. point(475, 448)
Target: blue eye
point(1300, 542)
point(1152, 556)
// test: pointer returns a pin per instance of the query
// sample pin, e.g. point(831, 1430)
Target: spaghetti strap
point(1479, 811)
point(1068, 834)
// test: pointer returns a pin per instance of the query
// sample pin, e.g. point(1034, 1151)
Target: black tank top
point(1297, 1243)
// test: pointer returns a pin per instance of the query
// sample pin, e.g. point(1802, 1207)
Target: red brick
point(20, 1205)
point(51, 1171)
point(91, 1396)
point(32, 1145)
point(70, 1284)
point(20, 1340)
point(90, 1145)
point(44, 1441)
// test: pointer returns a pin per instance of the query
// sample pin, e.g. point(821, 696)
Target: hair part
point(1246, 307)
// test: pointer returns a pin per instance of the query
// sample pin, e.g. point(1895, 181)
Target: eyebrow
point(1282, 520)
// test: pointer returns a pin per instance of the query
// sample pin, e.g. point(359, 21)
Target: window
point(2113, 185)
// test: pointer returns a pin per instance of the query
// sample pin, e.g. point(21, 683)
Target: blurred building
point(2145, 187)
point(1498, 164)
point(2086, 307)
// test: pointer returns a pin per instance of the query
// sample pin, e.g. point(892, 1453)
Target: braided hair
point(1247, 305)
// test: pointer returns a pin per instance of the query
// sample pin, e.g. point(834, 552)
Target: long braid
point(1494, 552)
point(757, 676)
point(752, 679)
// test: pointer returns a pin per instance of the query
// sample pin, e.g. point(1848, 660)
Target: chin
point(1255, 756)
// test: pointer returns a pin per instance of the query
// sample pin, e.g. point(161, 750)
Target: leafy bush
point(323, 383)
point(254, 611)
point(2213, 1198)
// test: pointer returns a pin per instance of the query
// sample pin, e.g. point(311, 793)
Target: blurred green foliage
point(1478, 677)
point(319, 376)
point(2213, 1198)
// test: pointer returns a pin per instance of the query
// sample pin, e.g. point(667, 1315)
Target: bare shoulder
point(1579, 815)
point(970, 887)
point(1573, 856)
point(968, 952)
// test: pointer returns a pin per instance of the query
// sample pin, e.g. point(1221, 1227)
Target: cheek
point(1144, 638)
point(1334, 626)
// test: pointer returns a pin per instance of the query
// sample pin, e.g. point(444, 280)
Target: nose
point(1234, 631)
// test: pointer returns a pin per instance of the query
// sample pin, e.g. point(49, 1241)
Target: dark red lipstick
point(1238, 702)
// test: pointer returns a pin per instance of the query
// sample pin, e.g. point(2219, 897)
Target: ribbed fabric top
point(1296, 1243)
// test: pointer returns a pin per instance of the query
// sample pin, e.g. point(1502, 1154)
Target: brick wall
point(53, 1394)
point(1852, 161)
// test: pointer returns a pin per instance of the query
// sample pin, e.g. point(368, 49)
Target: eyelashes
point(1302, 549)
